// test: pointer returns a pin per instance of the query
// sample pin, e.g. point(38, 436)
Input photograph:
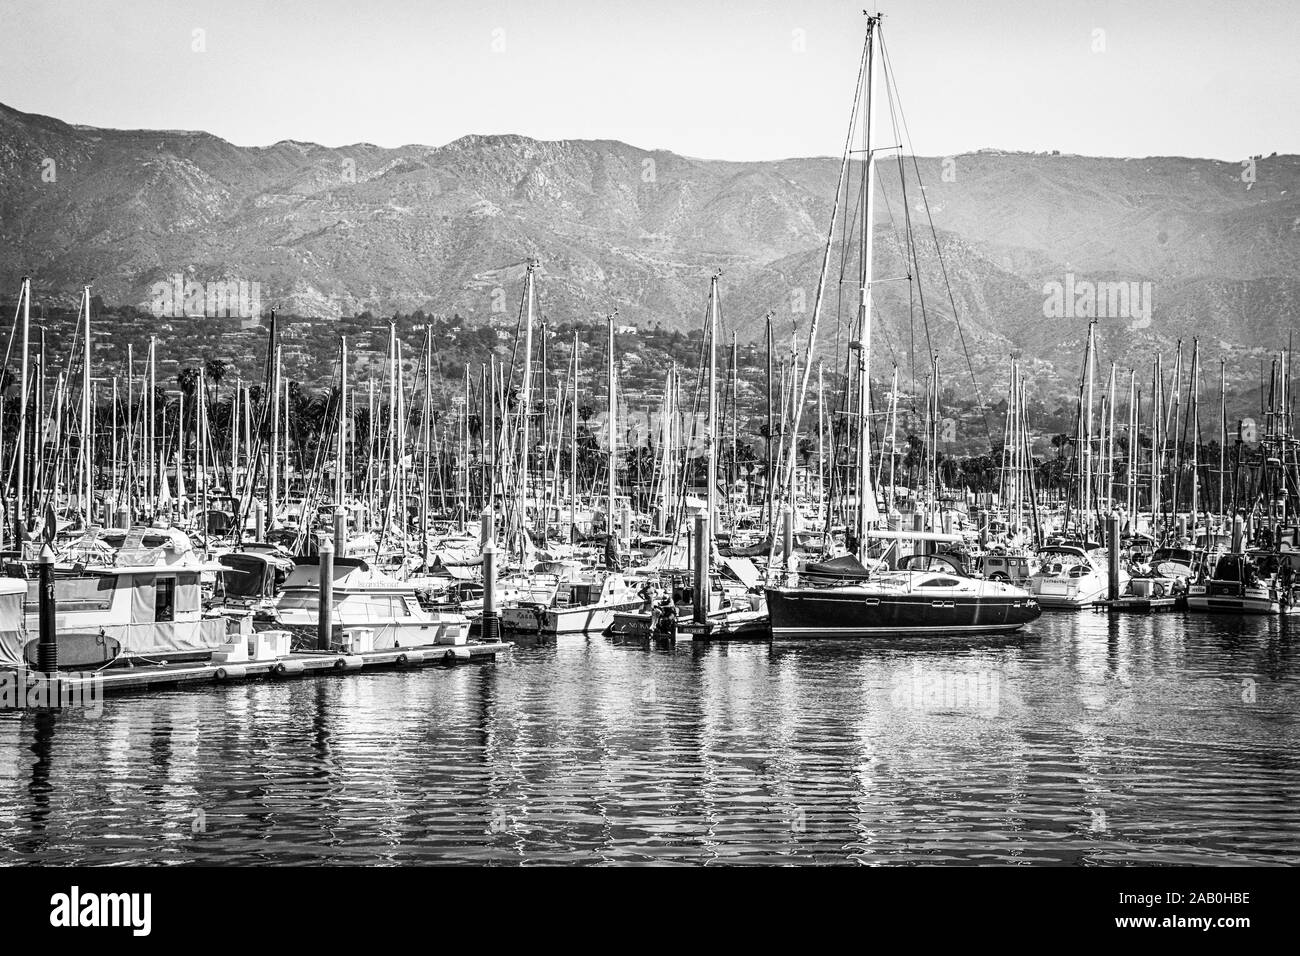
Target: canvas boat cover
point(844, 568)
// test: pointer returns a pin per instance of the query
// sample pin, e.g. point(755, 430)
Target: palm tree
point(215, 370)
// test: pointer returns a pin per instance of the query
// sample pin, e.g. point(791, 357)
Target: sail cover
point(844, 568)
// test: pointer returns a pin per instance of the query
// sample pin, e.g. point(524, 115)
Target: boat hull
point(584, 619)
point(1219, 599)
point(855, 613)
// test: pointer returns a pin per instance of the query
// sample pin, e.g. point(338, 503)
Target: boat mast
point(86, 426)
point(573, 446)
point(21, 500)
point(1085, 516)
point(1196, 433)
point(341, 480)
point(425, 414)
point(525, 406)
point(1223, 427)
point(711, 425)
point(769, 474)
point(613, 429)
point(866, 500)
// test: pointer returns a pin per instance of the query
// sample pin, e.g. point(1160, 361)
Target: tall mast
point(273, 487)
point(573, 446)
point(821, 445)
point(1157, 444)
point(866, 497)
point(235, 412)
point(87, 427)
point(1195, 386)
point(711, 427)
point(769, 474)
point(341, 479)
point(1131, 483)
point(391, 482)
point(613, 426)
point(425, 414)
point(152, 405)
point(1110, 440)
point(464, 505)
point(525, 404)
point(1086, 504)
point(733, 471)
point(1223, 427)
point(21, 501)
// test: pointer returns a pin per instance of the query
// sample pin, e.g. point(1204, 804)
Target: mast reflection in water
point(1167, 739)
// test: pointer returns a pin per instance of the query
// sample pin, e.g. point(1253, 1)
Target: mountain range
point(1213, 245)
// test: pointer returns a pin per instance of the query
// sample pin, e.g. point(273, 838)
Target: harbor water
point(1087, 739)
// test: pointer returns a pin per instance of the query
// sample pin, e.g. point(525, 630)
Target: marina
point(560, 501)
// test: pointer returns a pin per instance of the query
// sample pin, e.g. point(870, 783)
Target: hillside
point(337, 232)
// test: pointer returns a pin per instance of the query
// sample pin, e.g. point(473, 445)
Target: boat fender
point(287, 668)
point(449, 657)
point(349, 662)
point(410, 659)
point(231, 672)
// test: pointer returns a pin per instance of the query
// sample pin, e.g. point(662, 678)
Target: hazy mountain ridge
point(341, 230)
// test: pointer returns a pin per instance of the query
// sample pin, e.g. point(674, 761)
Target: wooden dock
point(299, 664)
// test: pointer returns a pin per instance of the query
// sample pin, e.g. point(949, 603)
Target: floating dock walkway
point(301, 664)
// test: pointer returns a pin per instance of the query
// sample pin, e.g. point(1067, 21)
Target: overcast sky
point(727, 79)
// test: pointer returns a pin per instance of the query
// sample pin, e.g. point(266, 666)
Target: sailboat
point(924, 599)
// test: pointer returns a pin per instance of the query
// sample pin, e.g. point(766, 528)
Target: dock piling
point(701, 597)
point(324, 618)
point(1112, 556)
point(340, 531)
point(491, 624)
point(47, 650)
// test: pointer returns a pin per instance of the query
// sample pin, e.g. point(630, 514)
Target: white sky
point(710, 78)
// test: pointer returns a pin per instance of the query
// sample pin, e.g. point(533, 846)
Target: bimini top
point(1069, 549)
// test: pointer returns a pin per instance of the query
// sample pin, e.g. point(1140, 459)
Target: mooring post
point(47, 651)
point(1238, 531)
point(259, 520)
point(340, 531)
point(124, 516)
point(325, 617)
point(701, 602)
point(491, 625)
point(487, 528)
point(1112, 555)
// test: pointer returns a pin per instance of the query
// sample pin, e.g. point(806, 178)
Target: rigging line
point(912, 254)
point(939, 253)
